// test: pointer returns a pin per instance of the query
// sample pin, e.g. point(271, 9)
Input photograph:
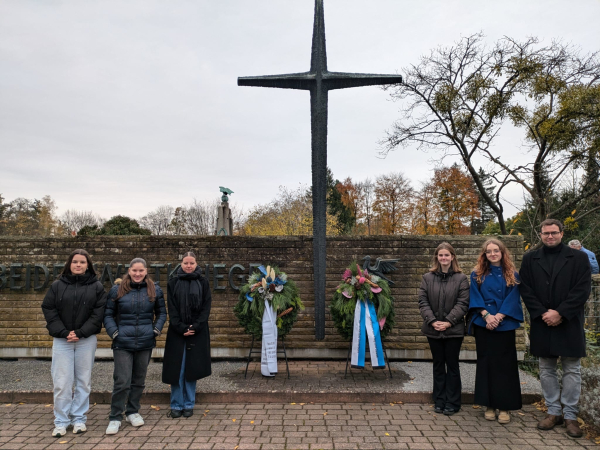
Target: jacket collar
point(565, 254)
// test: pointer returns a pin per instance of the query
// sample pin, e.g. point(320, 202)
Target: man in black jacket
point(555, 284)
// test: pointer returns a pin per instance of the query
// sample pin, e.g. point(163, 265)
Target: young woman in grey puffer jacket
point(443, 303)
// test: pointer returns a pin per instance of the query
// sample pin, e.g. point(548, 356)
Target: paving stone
point(372, 428)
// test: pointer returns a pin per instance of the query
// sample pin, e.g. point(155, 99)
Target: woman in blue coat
point(135, 315)
point(497, 312)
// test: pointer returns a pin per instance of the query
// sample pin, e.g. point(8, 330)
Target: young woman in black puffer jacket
point(135, 314)
point(73, 308)
point(443, 303)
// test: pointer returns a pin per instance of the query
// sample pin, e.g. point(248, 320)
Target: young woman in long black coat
point(443, 303)
point(187, 350)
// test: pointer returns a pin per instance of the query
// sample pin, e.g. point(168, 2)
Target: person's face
point(551, 235)
point(138, 272)
point(189, 264)
point(445, 258)
point(79, 265)
point(493, 254)
point(576, 247)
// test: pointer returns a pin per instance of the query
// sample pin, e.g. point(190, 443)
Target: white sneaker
point(59, 432)
point(113, 427)
point(135, 420)
point(79, 427)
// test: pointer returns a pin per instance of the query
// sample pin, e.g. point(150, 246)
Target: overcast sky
point(121, 106)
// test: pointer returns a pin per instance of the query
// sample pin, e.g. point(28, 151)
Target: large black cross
point(319, 82)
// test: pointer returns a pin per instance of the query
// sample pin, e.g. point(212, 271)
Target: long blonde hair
point(482, 268)
point(435, 264)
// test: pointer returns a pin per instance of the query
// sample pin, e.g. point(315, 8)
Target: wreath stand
point(278, 351)
point(369, 352)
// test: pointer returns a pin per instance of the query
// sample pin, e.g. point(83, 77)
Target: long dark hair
point(435, 264)
point(90, 268)
point(482, 268)
point(125, 285)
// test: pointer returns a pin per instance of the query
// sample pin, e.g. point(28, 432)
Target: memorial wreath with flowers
point(362, 307)
point(268, 307)
point(271, 285)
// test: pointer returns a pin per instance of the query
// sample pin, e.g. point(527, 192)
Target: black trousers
point(497, 383)
point(447, 386)
point(130, 380)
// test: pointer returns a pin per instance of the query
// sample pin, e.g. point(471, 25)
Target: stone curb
point(259, 397)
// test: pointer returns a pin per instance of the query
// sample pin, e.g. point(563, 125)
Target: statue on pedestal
point(224, 219)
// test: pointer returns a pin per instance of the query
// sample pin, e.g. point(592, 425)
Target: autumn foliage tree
point(349, 195)
point(426, 210)
point(448, 203)
point(456, 199)
point(393, 202)
point(25, 217)
point(288, 214)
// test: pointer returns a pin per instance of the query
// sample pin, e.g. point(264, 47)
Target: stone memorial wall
point(29, 265)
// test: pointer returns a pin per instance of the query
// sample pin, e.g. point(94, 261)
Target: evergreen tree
point(342, 214)
point(116, 226)
point(487, 213)
point(345, 218)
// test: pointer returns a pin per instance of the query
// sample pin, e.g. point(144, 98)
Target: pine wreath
point(359, 284)
point(273, 285)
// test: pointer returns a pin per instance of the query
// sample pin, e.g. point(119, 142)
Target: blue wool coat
point(495, 297)
point(135, 317)
point(593, 261)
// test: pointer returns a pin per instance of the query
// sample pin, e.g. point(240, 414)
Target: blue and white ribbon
point(366, 326)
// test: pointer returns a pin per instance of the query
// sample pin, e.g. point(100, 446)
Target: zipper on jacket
point(137, 318)
point(443, 303)
point(74, 311)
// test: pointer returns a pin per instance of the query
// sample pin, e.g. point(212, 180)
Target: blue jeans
point(183, 395)
point(571, 386)
point(72, 362)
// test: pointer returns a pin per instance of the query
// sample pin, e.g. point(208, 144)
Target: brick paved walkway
point(289, 426)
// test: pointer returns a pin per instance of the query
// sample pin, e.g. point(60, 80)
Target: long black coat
point(566, 291)
point(197, 355)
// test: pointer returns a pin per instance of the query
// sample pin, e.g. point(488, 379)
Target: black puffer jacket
point(74, 303)
point(444, 297)
point(135, 317)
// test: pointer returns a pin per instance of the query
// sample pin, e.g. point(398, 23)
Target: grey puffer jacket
point(444, 297)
